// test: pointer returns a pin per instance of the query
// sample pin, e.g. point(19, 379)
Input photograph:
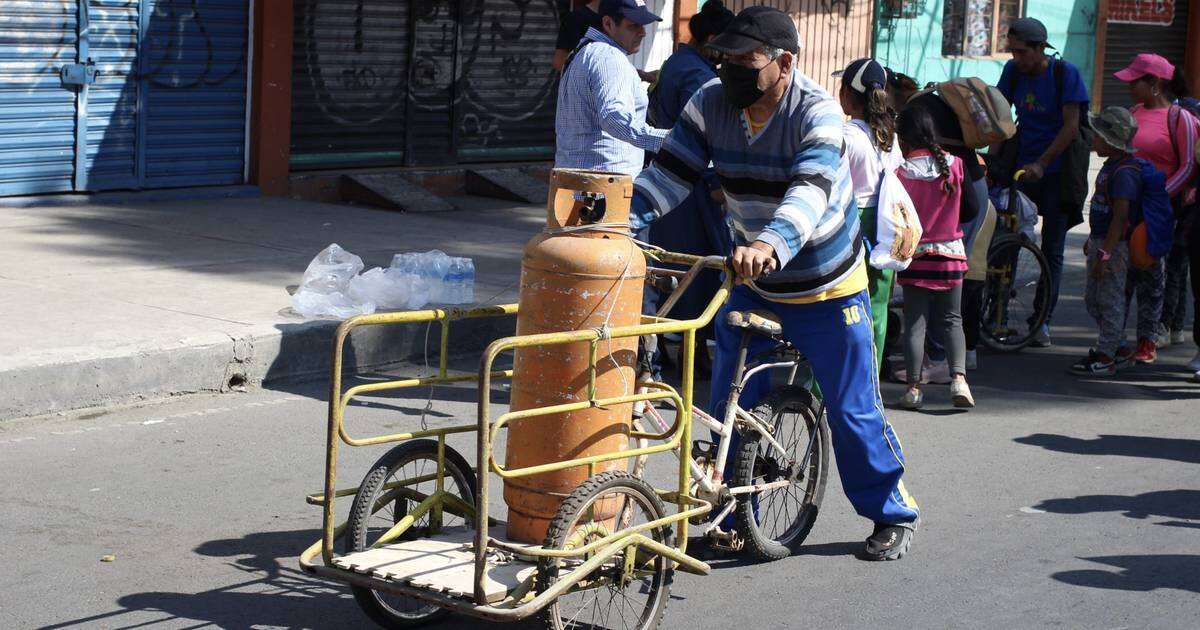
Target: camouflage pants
point(1175, 302)
point(1105, 294)
point(1148, 286)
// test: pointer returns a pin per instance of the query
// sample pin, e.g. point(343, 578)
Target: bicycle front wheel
point(1016, 294)
point(774, 521)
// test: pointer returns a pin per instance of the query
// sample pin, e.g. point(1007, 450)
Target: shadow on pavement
point(275, 593)
point(1171, 449)
point(1139, 573)
point(1175, 504)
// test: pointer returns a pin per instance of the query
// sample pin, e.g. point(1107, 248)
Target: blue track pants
point(837, 338)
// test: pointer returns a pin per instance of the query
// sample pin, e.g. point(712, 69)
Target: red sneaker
point(1146, 352)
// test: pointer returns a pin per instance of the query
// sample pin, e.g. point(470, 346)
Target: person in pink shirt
point(933, 280)
point(1166, 136)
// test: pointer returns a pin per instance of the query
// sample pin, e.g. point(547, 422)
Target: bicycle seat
point(760, 321)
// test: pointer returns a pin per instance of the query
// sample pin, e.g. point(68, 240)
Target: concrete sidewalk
point(109, 303)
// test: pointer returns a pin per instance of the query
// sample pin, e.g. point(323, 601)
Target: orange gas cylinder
point(573, 278)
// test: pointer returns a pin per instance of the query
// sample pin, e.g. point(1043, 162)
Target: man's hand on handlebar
point(1030, 173)
point(750, 262)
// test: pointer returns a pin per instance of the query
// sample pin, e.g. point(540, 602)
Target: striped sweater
point(789, 186)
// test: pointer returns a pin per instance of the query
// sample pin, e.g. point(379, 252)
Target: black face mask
point(741, 84)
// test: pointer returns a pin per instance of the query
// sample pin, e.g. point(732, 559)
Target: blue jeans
point(837, 337)
point(1047, 196)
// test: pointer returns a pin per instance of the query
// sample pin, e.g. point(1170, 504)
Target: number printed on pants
point(852, 315)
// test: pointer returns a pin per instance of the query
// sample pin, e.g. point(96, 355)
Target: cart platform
point(444, 563)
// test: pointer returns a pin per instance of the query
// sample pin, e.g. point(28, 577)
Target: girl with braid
point(933, 281)
point(871, 148)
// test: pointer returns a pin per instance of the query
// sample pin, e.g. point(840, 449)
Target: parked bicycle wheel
point(1016, 294)
point(401, 479)
point(774, 522)
point(621, 594)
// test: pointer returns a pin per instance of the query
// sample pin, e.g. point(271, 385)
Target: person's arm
point(560, 59)
point(1124, 186)
point(1074, 99)
point(968, 207)
point(814, 172)
point(1070, 130)
point(1116, 230)
point(1184, 135)
point(858, 154)
point(615, 108)
point(569, 32)
point(676, 168)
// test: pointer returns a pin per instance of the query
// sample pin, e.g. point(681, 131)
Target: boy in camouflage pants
point(1118, 193)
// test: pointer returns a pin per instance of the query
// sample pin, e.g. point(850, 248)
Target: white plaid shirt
point(601, 119)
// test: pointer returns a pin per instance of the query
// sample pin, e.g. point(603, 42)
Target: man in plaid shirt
point(601, 118)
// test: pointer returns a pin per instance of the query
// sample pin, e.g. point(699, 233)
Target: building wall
point(832, 33)
point(914, 46)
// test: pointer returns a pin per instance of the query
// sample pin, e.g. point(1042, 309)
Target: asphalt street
point(1059, 502)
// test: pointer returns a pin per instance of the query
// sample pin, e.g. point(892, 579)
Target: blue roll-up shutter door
point(37, 116)
point(194, 85)
point(111, 40)
point(166, 107)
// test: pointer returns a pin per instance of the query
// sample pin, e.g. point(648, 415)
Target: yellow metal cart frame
point(521, 602)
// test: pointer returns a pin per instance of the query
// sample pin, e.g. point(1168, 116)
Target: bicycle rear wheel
point(1016, 294)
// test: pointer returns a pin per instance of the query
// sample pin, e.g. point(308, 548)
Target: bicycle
point(1017, 287)
point(776, 488)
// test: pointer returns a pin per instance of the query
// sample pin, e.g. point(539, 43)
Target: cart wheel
point(610, 597)
point(377, 508)
point(775, 522)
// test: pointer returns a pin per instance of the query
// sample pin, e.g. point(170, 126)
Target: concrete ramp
point(509, 184)
point(391, 190)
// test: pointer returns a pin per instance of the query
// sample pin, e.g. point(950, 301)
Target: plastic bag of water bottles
point(437, 278)
point(333, 287)
point(322, 291)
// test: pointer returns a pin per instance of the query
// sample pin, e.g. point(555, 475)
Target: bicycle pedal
point(725, 541)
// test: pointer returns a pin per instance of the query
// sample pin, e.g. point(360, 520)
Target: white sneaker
point(961, 394)
point(1194, 364)
point(972, 360)
point(937, 372)
point(1163, 341)
point(1176, 336)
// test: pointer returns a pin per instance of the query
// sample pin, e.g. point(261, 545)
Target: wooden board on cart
point(444, 563)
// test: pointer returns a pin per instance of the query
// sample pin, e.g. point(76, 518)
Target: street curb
point(219, 362)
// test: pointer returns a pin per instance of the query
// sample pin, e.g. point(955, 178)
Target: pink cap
point(1144, 64)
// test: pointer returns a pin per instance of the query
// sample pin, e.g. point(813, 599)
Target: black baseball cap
point(862, 75)
point(1029, 30)
point(633, 10)
point(755, 27)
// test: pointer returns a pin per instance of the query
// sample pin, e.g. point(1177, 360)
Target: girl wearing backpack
point(871, 148)
point(1166, 137)
point(933, 281)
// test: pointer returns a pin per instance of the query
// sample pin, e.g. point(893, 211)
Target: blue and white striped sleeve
point(814, 173)
point(616, 110)
point(675, 169)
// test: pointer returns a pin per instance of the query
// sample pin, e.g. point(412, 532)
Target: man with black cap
point(1050, 99)
point(601, 119)
point(775, 140)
